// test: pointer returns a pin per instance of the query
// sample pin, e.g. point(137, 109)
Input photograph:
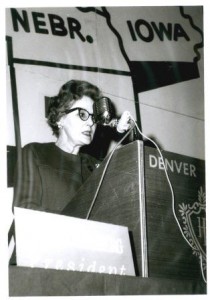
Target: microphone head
point(103, 110)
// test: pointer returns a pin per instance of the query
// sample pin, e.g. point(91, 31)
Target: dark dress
point(47, 177)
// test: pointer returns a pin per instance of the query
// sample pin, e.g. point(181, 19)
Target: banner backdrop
point(148, 60)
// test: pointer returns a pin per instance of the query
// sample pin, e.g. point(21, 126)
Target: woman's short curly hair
point(69, 93)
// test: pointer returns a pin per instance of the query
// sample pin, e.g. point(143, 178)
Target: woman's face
point(76, 131)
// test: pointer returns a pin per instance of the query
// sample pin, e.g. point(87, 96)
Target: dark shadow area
point(134, 253)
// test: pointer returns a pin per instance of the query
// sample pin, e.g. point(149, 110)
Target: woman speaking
point(49, 174)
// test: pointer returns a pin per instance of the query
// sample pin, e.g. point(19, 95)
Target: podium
point(135, 193)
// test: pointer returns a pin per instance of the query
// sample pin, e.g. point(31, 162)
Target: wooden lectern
point(136, 194)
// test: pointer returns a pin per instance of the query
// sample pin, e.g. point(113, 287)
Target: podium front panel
point(169, 254)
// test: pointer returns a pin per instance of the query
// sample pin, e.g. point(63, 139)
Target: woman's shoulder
point(38, 149)
point(38, 146)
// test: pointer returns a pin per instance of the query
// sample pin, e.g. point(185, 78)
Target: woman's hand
point(124, 122)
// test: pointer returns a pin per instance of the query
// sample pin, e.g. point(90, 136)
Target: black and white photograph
point(105, 150)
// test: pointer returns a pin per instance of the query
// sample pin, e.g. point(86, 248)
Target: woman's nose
point(90, 121)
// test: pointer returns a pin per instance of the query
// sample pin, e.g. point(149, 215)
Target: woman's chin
point(86, 140)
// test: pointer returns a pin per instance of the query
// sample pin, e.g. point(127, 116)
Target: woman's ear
point(60, 125)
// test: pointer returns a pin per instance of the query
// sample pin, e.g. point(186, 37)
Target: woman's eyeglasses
point(83, 113)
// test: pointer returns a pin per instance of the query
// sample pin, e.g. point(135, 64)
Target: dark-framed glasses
point(83, 113)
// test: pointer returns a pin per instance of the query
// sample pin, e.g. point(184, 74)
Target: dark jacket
point(47, 177)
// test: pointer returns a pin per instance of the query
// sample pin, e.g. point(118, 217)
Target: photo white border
point(3, 182)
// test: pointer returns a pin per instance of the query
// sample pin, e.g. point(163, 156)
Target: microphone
point(103, 113)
